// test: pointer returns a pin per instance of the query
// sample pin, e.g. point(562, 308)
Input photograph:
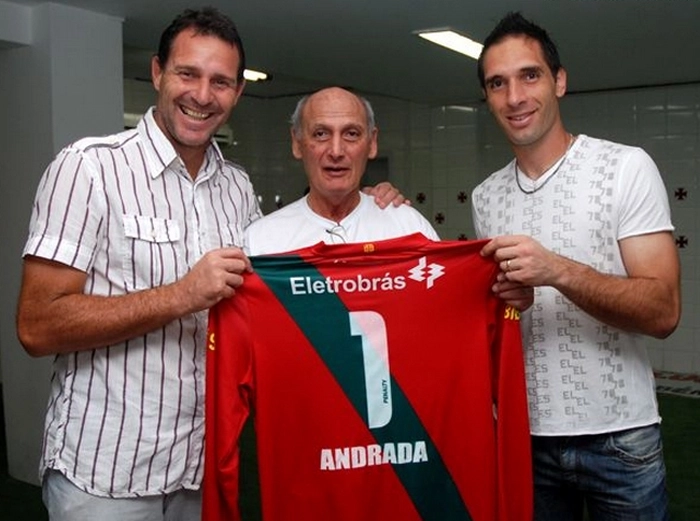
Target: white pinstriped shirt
point(127, 420)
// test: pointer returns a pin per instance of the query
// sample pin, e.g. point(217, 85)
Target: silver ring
point(508, 265)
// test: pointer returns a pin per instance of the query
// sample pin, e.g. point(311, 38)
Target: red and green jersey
point(385, 380)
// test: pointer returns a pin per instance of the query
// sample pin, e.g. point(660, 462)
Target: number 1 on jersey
point(371, 328)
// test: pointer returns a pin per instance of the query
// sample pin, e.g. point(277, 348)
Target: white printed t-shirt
point(583, 377)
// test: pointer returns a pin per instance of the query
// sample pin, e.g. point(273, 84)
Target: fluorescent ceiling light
point(462, 108)
point(453, 41)
point(251, 75)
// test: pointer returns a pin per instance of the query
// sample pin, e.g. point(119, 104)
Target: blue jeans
point(619, 476)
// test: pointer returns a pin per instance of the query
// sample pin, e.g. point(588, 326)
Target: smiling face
point(334, 143)
point(521, 91)
point(197, 89)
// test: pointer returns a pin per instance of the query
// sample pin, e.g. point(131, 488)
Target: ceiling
point(369, 45)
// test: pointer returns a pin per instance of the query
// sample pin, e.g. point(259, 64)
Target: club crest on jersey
point(423, 272)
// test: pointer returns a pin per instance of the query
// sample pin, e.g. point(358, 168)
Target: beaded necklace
point(561, 161)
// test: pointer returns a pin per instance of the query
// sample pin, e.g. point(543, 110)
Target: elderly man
point(372, 367)
point(333, 134)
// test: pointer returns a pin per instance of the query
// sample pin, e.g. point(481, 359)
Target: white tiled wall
point(441, 153)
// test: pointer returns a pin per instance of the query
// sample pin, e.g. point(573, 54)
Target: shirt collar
point(160, 152)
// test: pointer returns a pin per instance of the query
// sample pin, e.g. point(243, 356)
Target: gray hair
point(295, 120)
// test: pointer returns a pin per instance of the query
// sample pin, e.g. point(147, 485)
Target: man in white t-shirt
point(586, 222)
point(334, 135)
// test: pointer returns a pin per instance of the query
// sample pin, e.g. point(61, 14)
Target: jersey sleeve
point(229, 392)
point(515, 489)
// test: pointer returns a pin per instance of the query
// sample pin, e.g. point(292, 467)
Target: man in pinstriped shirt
point(132, 238)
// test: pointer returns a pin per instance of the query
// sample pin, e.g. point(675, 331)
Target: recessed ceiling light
point(453, 41)
point(251, 75)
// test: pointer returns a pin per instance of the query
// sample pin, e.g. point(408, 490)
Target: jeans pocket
point(639, 446)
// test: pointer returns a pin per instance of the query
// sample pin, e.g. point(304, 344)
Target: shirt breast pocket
point(153, 252)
